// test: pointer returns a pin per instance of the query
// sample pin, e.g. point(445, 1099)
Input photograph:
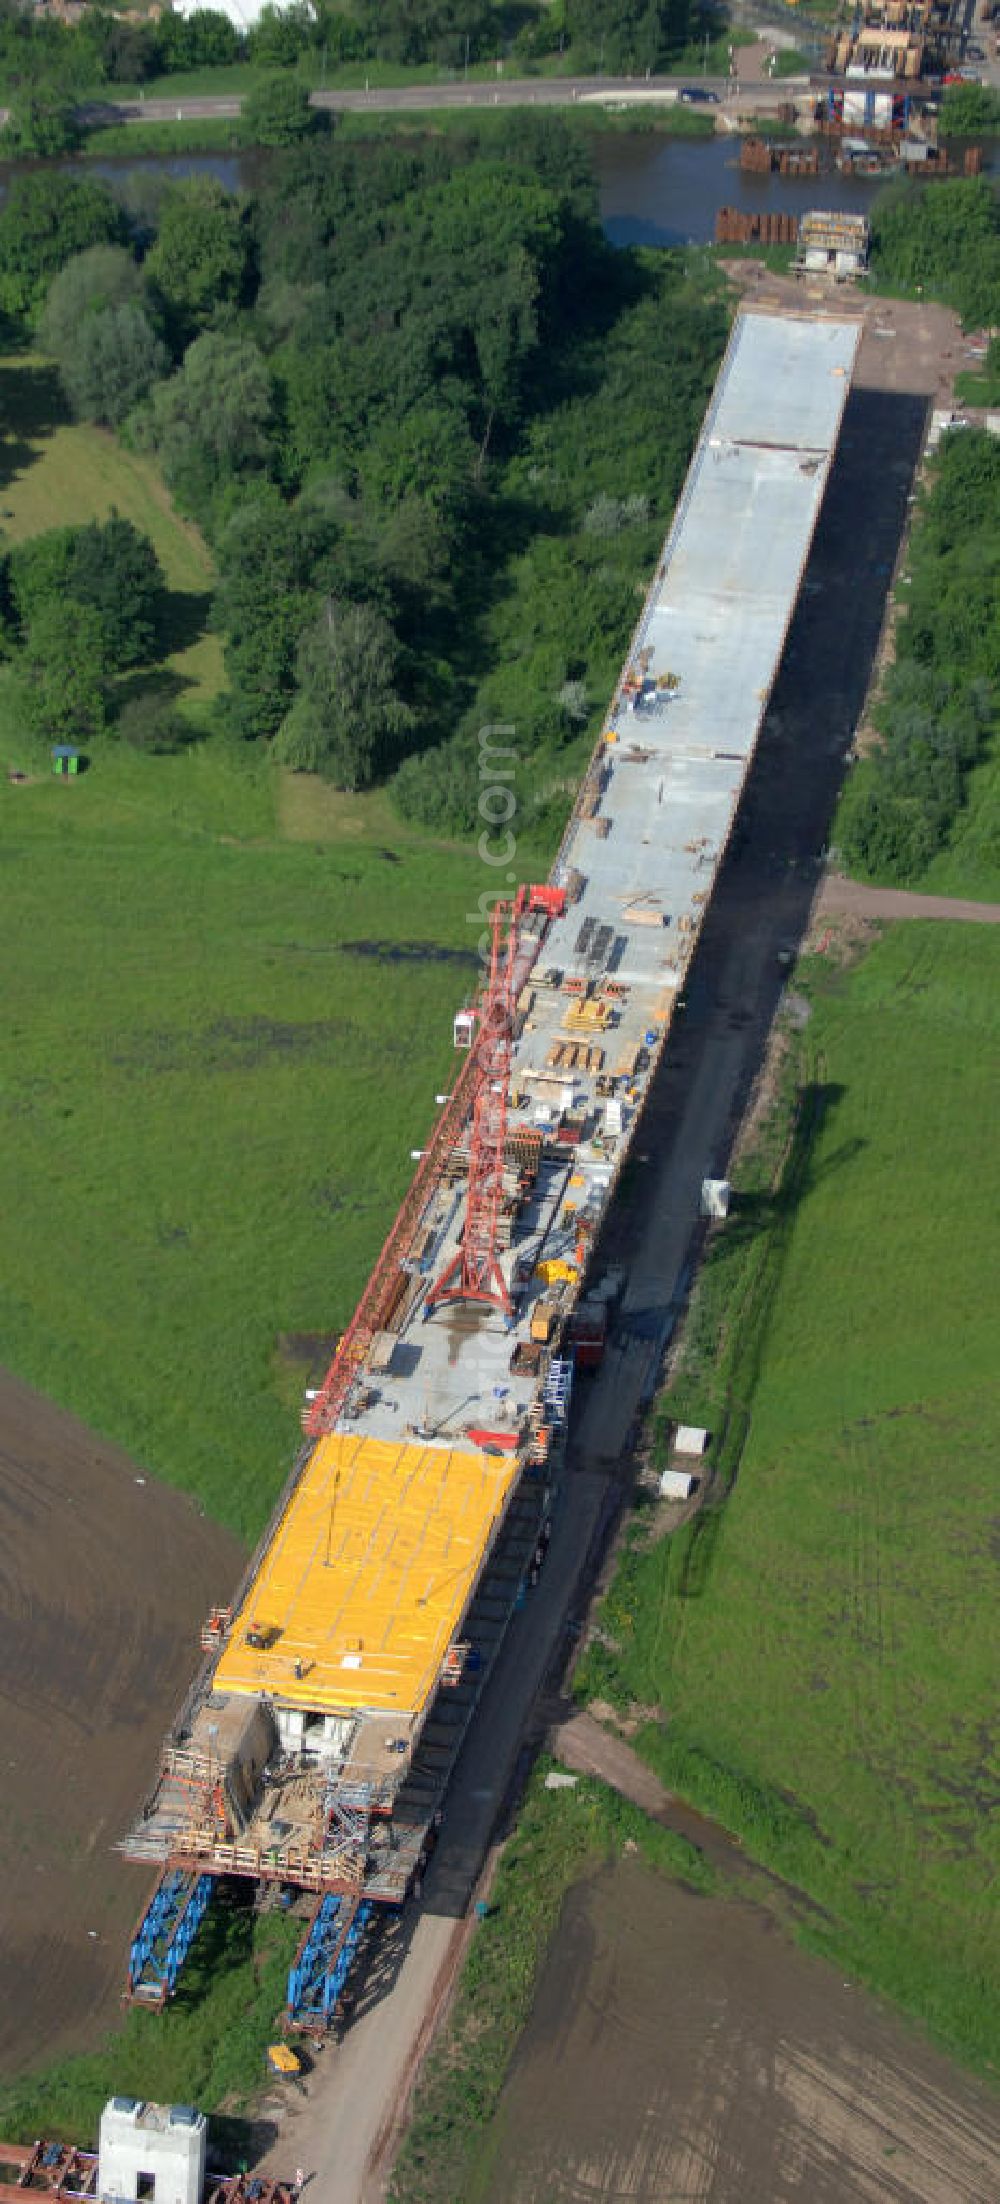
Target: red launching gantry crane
point(474, 1273)
point(481, 1090)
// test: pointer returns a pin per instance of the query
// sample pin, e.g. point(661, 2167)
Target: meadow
point(820, 1645)
point(208, 134)
point(57, 473)
point(224, 1048)
point(230, 998)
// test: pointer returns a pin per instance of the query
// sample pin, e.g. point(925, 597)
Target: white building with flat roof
point(152, 2152)
point(244, 15)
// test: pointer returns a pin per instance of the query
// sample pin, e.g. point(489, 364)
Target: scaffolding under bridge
point(322, 1966)
point(165, 1935)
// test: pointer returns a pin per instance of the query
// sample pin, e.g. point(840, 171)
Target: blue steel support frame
point(558, 1387)
point(318, 1978)
point(166, 1933)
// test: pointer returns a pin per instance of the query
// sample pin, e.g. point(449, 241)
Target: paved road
point(418, 98)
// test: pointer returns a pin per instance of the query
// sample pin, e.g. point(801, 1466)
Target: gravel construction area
point(105, 1577)
point(683, 2051)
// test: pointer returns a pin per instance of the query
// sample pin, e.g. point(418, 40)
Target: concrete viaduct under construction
point(316, 1746)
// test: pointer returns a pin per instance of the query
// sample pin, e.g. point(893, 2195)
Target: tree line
point(430, 422)
point(941, 244)
point(79, 606)
point(47, 65)
point(937, 710)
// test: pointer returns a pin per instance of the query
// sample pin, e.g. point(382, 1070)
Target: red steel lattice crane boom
point(322, 1413)
point(481, 1092)
point(474, 1273)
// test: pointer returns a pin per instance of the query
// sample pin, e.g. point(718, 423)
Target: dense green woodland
point(936, 713)
point(925, 795)
point(431, 423)
point(941, 244)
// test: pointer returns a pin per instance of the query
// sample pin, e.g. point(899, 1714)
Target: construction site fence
point(758, 157)
point(735, 227)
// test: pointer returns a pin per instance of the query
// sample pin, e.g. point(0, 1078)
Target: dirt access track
point(105, 1577)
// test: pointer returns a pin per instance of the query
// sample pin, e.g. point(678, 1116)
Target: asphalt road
point(505, 92)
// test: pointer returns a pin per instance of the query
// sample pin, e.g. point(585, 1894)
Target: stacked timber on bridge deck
point(320, 1745)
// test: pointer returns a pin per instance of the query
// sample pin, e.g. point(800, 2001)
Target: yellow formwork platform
point(362, 1585)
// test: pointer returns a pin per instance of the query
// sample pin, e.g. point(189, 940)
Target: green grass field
point(230, 996)
point(971, 863)
point(55, 473)
point(209, 135)
point(210, 1101)
point(823, 1646)
point(207, 2048)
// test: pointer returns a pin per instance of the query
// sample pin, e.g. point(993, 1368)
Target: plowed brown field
point(105, 1577)
point(682, 2051)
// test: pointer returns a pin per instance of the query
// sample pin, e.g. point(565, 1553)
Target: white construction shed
point(243, 14)
point(690, 1438)
point(151, 2151)
point(716, 1195)
point(833, 243)
point(676, 1484)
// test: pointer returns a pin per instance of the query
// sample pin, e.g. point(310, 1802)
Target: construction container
point(283, 2060)
point(690, 1438)
point(544, 1318)
point(676, 1484)
point(526, 1360)
point(588, 1331)
point(555, 1272)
